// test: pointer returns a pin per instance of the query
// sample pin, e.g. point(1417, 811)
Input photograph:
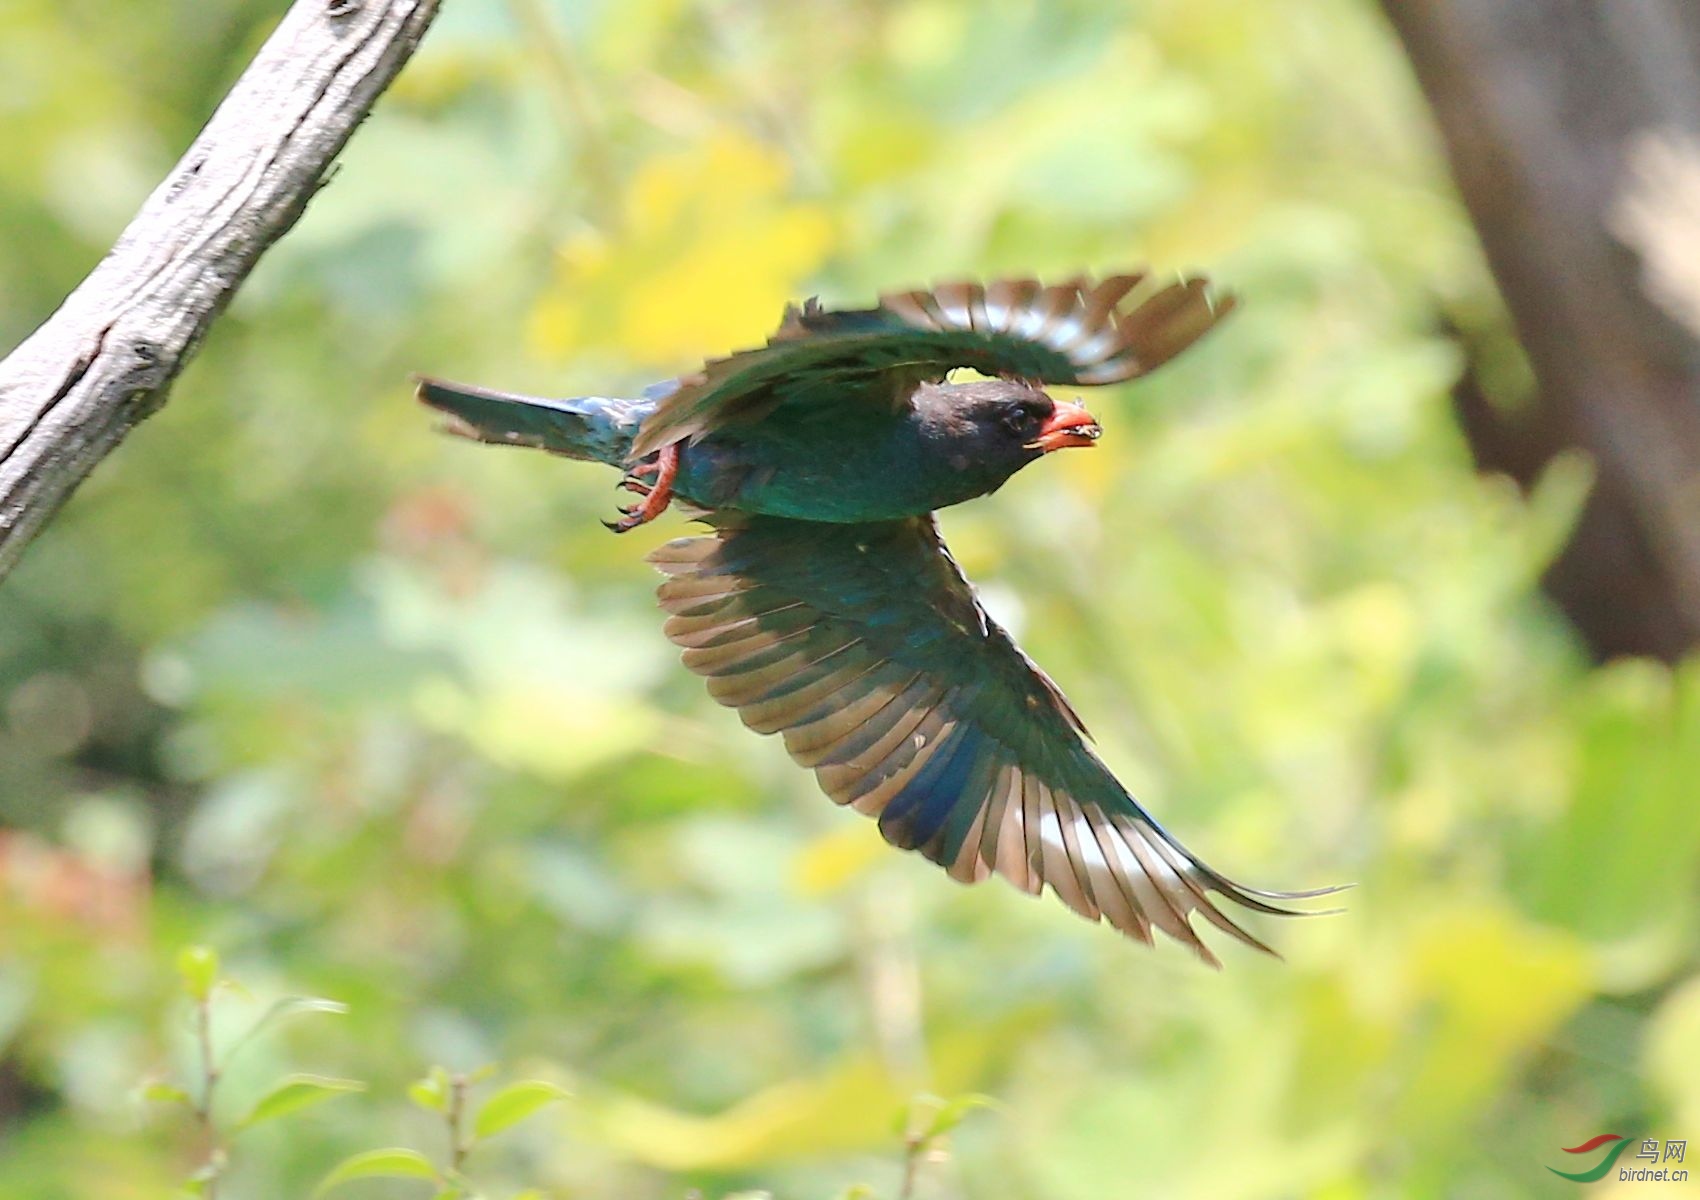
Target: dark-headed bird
point(824, 606)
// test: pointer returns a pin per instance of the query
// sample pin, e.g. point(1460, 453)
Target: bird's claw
point(630, 519)
point(655, 496)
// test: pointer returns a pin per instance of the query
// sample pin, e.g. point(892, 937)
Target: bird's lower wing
point(865, 649)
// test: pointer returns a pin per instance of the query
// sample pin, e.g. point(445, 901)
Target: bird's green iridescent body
point(825, 608)
point(833, 463)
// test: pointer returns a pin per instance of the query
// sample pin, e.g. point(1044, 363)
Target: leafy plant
point(198, 975)
point(467, 1128)
point(925, 1125)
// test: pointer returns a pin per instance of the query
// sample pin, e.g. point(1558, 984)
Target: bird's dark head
point(992, 428)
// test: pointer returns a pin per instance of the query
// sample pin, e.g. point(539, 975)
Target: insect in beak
point(1068, 425)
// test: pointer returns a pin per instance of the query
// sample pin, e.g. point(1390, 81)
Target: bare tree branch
point(107, 357)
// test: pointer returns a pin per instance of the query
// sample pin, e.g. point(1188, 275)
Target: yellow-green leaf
point(283, 1010)
point(296, 1093)
point(392, 1162)
point(514, 1104)
point(432, 1092)
point(197, 966)
point(166, 1093)
point(951, 1114)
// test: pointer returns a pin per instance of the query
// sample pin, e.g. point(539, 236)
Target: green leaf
point(432, 1092)
point(952, 1114)
point(393, 1162)
point(514, 1104)
point(283, 1010)
point(908, 1121)
point(295, 1093)
point(160, 1092)
point(295, 1006)
point(197, 966)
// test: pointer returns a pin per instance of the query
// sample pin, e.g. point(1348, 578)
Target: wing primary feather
point(747, 686)
point(1185, 868)
point(963, 825)
point(914, 308)
point(803, 699)
point(1167, 323)
point(919, 809)
point(699, 598)
point(1147, 889)
point(952, 300)
point(1117, 898)
point(701, 633)
point(1099, 332)
point(977, 317)
point(826, 743)
point(818, 740)
point(1007, 852)
point(1167, 914)
point(999, 816)
point(1032, 847)
point(1005, 301)
point(1056, 868)
point(912, 720)
point(759, 649)
point(969, 866)
point(1101, 301)
point(1068, 817)
point(878, 785)
point(683, 553)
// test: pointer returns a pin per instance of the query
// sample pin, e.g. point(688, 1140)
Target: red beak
point(1068, 425)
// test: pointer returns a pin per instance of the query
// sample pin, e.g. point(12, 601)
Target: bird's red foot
point(656, 496)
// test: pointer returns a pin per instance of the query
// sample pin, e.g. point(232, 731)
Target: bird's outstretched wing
point(1078, 332)
point(865, 648)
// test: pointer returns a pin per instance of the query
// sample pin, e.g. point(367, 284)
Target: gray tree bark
point(1573, 131)
point(107, 357)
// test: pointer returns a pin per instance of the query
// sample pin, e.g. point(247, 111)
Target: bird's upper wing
point(864, 646)
point(1078, 332)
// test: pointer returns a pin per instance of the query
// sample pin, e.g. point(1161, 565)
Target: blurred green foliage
point(389, 718)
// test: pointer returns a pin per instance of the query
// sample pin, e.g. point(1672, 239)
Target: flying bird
point(825, 607)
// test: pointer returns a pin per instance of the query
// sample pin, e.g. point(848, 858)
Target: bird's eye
point(1023, 417)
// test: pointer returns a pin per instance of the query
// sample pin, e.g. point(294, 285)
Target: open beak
point(1068, 425)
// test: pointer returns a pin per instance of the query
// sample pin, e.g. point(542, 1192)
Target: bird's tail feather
point(593, 428)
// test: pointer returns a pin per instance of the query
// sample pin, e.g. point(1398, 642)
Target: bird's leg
point(656, 496)
point(632, 480)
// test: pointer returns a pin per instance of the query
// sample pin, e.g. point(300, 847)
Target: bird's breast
point(856, 474)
